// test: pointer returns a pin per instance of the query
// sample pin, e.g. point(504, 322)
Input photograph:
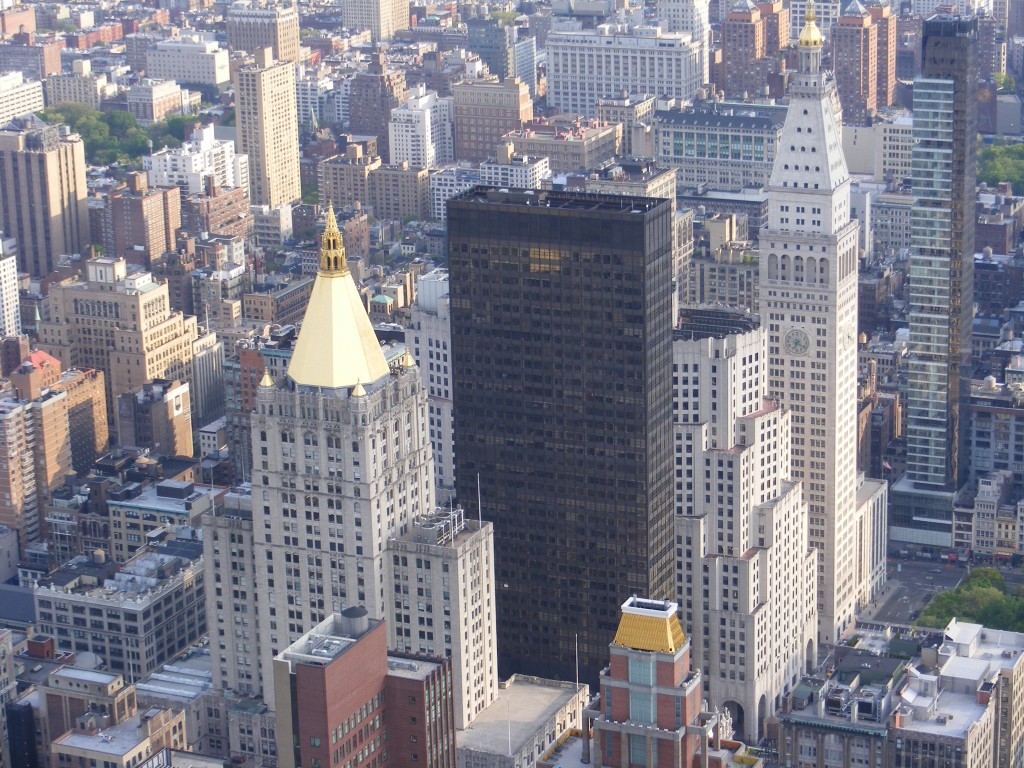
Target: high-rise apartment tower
point(267, 129)
point(255, 27)
point(42, 193)
point(941, 285)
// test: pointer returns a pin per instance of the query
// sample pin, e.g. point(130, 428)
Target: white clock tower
point(808, 279)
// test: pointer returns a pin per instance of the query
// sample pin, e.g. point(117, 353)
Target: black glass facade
point(561, 311)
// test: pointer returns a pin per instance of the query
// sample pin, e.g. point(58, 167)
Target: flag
point(886, 466)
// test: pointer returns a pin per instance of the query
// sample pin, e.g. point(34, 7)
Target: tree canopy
point(116, 136)
point(1002, 162)
point(981, 598)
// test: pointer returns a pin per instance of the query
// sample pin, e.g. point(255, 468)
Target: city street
point(911, 584)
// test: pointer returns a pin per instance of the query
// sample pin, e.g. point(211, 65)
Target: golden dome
point(810, 35)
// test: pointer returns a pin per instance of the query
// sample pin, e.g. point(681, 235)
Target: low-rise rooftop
point(520, 709)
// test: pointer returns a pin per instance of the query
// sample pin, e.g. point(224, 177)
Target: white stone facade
point(335, 475)
point(429, 336)
point(189, 59)
point(808, 295)
point(189, 165)
point(421, 130)
point(615, 58)
point(744, 565)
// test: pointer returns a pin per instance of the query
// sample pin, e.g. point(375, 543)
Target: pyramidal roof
point(649, 625)
point(336, 346)
point(810, 154)
point(855, 10)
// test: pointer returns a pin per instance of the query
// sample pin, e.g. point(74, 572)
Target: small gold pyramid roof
point(408, 361)
point(336, 346)
point(358, 390)
point(651, 626)
point(267, 380)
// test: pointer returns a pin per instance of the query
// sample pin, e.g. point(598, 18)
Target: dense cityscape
point(511, 383)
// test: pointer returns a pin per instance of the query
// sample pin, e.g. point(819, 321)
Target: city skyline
point(533, 384)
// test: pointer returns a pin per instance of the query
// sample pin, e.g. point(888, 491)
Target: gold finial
point(332, 251)
point(267, 380)
point(810, 35)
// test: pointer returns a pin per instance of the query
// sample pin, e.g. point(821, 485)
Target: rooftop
point(117, 740)
point(520, 709)
point(412, 668)
point(559, 200)
point(330, 638)
point(955, 713)
point(86, 675)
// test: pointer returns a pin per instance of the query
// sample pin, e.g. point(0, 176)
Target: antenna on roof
point(479, 504)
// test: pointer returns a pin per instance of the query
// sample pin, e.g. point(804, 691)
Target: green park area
point(116, 136)
point(982, 598)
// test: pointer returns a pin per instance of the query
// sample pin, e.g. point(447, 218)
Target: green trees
point(116, 136)
point(981, 598)
point(1002, 162)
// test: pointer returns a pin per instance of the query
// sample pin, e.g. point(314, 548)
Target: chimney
point(355, 621)
point(264, 57)
point(137, 183)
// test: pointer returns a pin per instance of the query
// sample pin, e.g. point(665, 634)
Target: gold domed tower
point(810, 35)
point(811, 42)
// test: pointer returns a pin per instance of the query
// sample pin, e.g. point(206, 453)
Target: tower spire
point(332, 252)
point(810, 35)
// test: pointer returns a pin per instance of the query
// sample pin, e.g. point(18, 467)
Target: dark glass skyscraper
point(941, 285)
point(562, 359)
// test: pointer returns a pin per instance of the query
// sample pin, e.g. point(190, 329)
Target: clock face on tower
point(796, 342)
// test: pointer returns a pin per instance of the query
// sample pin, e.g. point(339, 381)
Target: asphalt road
point(910, 585)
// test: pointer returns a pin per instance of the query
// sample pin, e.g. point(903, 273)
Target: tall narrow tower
point(267, 130)
point(809, 302)
point(689, 16)
point(341, 464)
point(942, 258)
point(941, 287)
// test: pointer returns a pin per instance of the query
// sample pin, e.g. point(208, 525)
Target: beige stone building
point(252, 27)
point(284, 304)
point(392, 191)
point(570, 146)
point(157, 416)
point(400, 192)
point(120, 324)
point(636, 114)
point(267, 129)
point(345, 179)
point(20, 510)
point(341, 455)
point(446, 555)
point(81, 85)
point(382, 17)
point(42, 186)
point(485, 111)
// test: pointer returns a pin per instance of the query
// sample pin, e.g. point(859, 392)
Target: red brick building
point(855, 54)
point(650, 697)
point(341, 700)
